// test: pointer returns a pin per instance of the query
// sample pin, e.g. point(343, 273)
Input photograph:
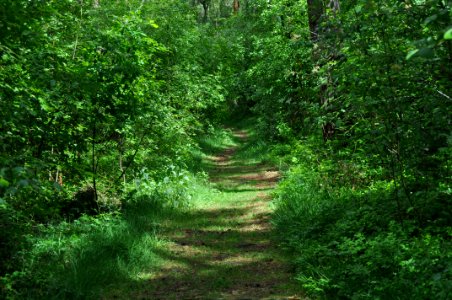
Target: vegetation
point(110, 109)
point(222, 247)
point(360, 94)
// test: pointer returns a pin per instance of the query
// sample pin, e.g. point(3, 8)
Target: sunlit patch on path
point(223, 249)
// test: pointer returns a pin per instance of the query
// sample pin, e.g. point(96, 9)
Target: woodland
point(119, 117)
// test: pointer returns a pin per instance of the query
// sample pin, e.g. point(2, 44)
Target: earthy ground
point(223, 249)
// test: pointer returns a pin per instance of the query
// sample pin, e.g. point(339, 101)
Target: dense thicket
point(101, 104)
point(88, 89)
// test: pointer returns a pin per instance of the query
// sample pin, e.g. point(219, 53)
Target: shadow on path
point(224, 250)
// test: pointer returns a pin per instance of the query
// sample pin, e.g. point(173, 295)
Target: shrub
point(360, 243)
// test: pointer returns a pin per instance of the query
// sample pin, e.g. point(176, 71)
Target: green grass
point(222, 247)
point(80, 260)
point(87, 257)
point(215, 140)
point(216, 243)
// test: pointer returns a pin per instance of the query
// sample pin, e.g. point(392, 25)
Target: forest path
point(223, 249)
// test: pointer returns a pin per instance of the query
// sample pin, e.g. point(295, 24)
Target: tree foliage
point(361, 92)
point(102, 104)
point(94, 94)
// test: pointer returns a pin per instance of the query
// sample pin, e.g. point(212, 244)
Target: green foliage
point(77, 260)
point(173, 191)
point(97, 92)
point(104, 105)
point(215, 139)
point(13, 226)
point(83, 258)
point(275, 46)
point(350, 239)
point(100, 102)
point(357, 97)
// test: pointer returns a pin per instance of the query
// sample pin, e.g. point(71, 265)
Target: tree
point(205, 5)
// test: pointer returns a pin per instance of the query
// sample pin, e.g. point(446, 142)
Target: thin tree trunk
point(316, 10)
point(236, 6)
point(121, 155)
point(205, 6)
point(94, 167)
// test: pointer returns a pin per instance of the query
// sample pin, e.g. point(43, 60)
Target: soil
point(225, 250)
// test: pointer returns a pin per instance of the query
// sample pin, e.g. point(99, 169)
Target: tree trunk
point(316, 10)
point(121, 155)
point(236, 6)
point(94, 164)
point(205, 6)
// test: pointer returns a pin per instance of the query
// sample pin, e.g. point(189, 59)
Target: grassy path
point(222, 249)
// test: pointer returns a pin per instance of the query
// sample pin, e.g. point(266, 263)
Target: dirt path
point(223, 250)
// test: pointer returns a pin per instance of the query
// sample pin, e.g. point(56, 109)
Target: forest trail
point(223, 250)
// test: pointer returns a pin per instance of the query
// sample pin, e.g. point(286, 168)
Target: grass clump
point(86, 258)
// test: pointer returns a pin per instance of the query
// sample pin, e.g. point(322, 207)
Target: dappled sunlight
point(231, 177)
point(222, 249)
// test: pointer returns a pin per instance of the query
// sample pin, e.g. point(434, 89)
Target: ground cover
point(222, 248)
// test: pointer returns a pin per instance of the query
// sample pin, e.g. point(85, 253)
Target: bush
point(173, 191)
point(360, 242)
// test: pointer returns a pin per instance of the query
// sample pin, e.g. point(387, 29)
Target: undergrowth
point(85, 257)
point(351, 233)
point(80, 259)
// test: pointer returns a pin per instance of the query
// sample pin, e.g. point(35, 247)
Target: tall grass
point(81, 259)
point(86, 258)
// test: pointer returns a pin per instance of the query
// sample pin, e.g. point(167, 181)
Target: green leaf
point(153, 24)
point(448, 34)
point(430, 19)
point(425, 52)
point(411, 53)
point(3, 182)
